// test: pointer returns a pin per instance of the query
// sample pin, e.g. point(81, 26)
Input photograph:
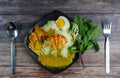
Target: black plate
point(50, 16)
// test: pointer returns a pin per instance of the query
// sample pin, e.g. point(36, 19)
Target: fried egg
point(62, 23)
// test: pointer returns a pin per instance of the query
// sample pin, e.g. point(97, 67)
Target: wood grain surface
point(26, 13)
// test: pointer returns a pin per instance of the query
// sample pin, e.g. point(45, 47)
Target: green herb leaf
point(93, 33)
point(97, 48)
point(79, 21)
point(85, 40)
point(72, 49)
point(89, 46)
point(88, 33)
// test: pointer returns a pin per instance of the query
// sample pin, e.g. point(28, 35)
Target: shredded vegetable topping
point(75, 30)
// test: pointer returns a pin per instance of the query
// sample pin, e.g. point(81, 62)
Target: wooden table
point(25, 13)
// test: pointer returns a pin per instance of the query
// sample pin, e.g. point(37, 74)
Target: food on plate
point(51, 61)
point(51, 42)
point(35, 40)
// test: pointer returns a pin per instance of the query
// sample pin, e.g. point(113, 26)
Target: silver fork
point(106, 32)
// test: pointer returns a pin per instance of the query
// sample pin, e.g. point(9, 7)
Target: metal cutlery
point(12, 33)
point(107, 32)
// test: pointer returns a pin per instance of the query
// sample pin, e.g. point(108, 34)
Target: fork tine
point(107, 24)
point(104, 24)
point(110, 25)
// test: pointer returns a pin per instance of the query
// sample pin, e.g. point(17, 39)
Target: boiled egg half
point(62, 23)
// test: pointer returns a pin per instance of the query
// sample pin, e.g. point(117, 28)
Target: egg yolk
point(60, 23)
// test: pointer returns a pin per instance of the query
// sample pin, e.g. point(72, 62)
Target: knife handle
point(107, 55)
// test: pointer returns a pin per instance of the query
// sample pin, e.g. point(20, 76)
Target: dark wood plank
point(26, 22)
point(68, 6)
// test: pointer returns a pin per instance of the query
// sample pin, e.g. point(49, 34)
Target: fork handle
point(107, 54)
